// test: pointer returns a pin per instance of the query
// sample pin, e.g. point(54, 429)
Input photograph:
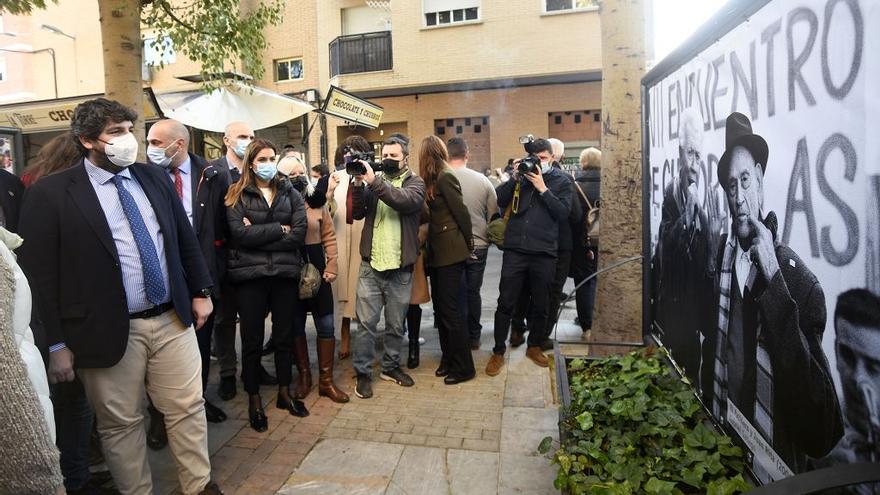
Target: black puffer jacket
point(262, 249)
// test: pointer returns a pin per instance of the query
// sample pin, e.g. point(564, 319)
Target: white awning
point(257, 107)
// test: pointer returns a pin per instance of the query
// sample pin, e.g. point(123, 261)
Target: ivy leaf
point(545, 445)
point(658, 487)
point(585, 420)
point(728, 486)
point(694, 477)
point(700, 437)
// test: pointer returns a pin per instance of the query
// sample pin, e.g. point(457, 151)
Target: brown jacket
point(321, 231)
point(406, 200)
point(450, 239)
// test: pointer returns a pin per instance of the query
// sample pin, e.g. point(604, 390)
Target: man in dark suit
point(201, 189)
point(120, 282)
point(236, 139)
point(11, 191)
point(766, 360)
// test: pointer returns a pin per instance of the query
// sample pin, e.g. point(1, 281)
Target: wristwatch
point(204, 293)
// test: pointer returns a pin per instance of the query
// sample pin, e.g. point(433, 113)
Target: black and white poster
point(763, 156)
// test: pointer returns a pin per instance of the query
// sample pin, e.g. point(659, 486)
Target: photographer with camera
point(540, 198)
point(391, 203)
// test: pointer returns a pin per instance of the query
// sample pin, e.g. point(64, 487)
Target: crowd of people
point(138, 273)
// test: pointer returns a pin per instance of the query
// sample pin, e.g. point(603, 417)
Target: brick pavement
point(477, 437)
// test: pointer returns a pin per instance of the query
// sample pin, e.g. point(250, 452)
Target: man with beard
point(769, 367)
point(687, 241)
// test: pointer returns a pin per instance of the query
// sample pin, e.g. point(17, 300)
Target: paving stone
point(374, 436)
point(524, 441)
point(395, 427)
point(369, 467)
point(429, 430)
point(333, 432)
point(530, 418)
point(458, 432)
point(472, 472)
point(421, 470)
point(488, 445)
point(526, 474)
point(408, 438)
point(433, 441)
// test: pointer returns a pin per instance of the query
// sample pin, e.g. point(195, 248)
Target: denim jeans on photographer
point(474, 271)
point(391, 290)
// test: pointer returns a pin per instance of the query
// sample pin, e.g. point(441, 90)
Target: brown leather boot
point(326, 387)
point(345, 339)
point(301, 353)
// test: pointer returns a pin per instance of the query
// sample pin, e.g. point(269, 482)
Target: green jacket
point(450, 239)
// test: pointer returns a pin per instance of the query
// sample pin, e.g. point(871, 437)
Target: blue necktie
point(153, 280)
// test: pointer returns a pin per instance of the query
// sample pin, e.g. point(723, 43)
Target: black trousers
point(534, 274)
point(523, 305)
point(255, 298)
point(203, 336)
point(446, 291)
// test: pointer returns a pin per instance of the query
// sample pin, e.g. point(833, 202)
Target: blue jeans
point(323, 324)
point(73, 423)
point(474, 270)
point(391, 290)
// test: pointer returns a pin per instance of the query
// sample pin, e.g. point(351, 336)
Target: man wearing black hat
point(768, 359)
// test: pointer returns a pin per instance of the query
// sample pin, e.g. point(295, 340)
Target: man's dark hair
point(859, 306)
point(457, 148)
point(322, 169)
point(90, 117)
point(400, 139)
point(289, 146)
point(355, 142)
point(541, 144)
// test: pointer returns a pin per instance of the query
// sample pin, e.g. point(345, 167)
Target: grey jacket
point(406, 200)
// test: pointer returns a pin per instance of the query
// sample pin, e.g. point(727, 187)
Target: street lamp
point(54, 30)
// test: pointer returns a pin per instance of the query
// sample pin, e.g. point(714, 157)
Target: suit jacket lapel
point(196, 169)
point(85, 198)
point(159, 204)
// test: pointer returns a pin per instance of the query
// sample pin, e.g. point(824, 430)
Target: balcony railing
point(356, 53)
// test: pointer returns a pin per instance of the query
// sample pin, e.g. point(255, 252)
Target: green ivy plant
point(635, 428)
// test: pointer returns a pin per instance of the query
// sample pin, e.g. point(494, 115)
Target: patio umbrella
point(257, 107)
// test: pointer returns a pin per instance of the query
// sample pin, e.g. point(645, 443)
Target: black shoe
point(227, 388)
point(475, 344)
point(412, 362)
point(293, 406)
point(213, 413)
point(157, 437)
point(266, 378)
point(516, 338)
point(546, 345)
point(453, 379)
point(364, 388)
point(397, 376)
point(442, 370)
point(259, 422)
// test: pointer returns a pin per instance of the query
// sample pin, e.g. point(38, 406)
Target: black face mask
point(299, 183)
point(390, 166)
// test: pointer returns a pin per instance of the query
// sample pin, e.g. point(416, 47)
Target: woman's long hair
point(60, 153)
point(247, 173)
point(432, 160)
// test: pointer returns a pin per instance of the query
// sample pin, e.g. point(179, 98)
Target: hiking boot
point(364, 388)
point(496, 362)
point(534, 353)
point(397, 376)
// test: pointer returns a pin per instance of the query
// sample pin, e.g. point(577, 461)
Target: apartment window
point(561, 5)
point(290, 69)
point(159, 53)
point(442, 12)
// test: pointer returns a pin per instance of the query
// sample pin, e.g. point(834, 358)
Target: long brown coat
point(348, 240)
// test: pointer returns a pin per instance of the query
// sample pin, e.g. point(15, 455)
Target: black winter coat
point(534, 228)
point(262, 249)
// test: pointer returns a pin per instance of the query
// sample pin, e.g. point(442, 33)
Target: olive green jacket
point(450, 239)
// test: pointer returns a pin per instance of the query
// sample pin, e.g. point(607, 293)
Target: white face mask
point(157, 155)
point(122, 151)
point(546, 166)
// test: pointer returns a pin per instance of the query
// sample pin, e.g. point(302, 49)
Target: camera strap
point(515, 201)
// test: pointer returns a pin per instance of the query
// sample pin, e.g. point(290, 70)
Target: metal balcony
point(357, 53)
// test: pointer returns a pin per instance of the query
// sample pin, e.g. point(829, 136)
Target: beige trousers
point(162, 355)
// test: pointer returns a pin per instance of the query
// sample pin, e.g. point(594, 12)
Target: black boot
point(413, 325)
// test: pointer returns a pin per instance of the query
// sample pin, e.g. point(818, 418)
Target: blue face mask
point(266, 171)
point(241, 147)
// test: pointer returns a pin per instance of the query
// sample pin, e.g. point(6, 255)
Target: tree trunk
point(121, 39)
point(619, 302)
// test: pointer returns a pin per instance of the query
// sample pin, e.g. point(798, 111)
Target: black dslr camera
point(355, 167)
point(531, 163)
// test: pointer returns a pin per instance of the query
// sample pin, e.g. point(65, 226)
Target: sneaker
point(397, 376)
point(364, 388)
point(534, 353)
point(496, 362)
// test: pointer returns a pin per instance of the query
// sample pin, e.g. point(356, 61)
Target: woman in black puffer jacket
point(267, 223)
